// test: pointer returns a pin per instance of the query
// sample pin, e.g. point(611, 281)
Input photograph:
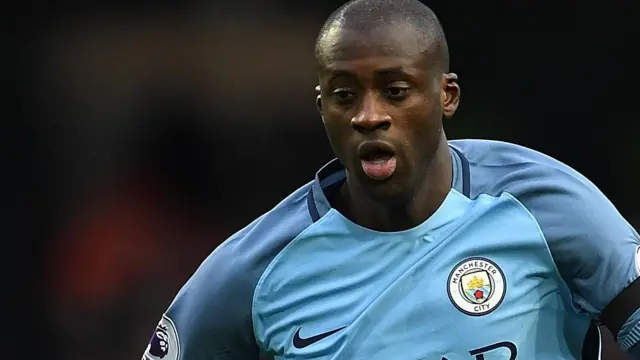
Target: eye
point(396, 92)
point(343, 95)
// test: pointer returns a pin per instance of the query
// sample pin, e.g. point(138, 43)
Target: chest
point(483, 283)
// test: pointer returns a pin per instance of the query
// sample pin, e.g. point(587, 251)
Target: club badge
point(476, 286)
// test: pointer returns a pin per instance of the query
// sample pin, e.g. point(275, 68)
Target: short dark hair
point(365, 15)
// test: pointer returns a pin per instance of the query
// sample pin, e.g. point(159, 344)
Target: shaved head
point(385, 87)
point(420, 26)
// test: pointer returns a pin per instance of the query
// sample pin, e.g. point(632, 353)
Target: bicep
point(191, 334)
point(597, 261)
point(208, 320)
point(595, 249)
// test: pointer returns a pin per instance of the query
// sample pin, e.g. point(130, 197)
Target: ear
point(449, 94)
point(319, 100)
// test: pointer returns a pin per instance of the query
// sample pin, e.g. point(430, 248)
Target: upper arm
point(593, 246)
point(209, 319)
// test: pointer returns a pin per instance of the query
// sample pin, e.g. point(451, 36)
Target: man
point(408, 246)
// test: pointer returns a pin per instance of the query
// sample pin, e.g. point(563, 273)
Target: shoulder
point(551, 190)
point(498, 167)
point(232, 270)
point(588, 238)
point(253, 247)
point(213, 309)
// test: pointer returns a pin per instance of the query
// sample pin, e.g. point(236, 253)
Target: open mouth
point(377, 159)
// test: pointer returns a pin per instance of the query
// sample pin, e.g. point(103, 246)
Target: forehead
point(387, 46)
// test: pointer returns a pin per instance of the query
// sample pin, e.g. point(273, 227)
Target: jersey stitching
point(524, 163)
point(546, 244)
point(328, 215)
point(440, 243)
point(268, 270)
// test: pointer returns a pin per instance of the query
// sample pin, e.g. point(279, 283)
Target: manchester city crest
point(164, 344)
point(476, 286)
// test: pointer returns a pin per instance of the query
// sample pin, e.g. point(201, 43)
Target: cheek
point(422, 115)
point(334, 126)
point(423, 125)
point(337, 133)
point(338, 121)
point(426, 130)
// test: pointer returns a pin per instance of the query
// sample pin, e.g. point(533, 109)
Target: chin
point(389, 191)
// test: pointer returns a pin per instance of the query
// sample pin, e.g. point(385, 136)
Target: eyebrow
point(339, 73)
point(391, 71)
point(398, 70)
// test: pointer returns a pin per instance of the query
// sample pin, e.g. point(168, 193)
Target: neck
point(417, 207)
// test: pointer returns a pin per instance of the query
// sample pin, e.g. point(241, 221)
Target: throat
point(405, 209)
point(388, 217)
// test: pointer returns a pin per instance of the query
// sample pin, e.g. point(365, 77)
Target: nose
point(371, 116)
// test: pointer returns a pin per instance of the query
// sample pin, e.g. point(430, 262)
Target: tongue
point(379, 168)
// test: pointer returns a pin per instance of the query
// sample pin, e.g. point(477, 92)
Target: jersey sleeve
point(595, 249)
point(209, 318)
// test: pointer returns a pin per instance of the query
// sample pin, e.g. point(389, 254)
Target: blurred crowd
point(169, 128)
point(173, 130)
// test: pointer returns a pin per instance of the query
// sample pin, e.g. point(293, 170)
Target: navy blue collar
point(333, 173)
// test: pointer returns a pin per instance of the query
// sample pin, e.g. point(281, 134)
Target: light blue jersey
point(519, 260)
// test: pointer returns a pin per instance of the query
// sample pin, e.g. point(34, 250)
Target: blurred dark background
point(140, 135)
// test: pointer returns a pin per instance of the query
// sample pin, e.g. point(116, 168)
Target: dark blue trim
point(466, 177)
point(330, 174)
point(311, 204)
point(330, 169)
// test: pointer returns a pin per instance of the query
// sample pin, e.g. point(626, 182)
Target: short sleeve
point(593, 246)
point(209, 319)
